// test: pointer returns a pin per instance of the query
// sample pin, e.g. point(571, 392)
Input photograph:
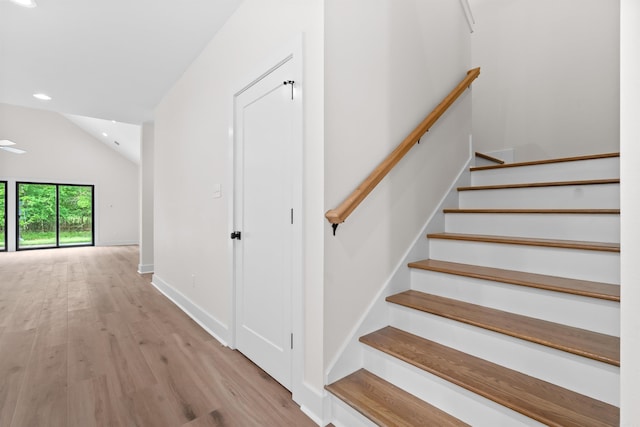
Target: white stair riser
point(573, 310)
point(452, 399)
point(585, 376)
point(583, 227)
point(596, 266)
point(594, 196)
point(608, 168)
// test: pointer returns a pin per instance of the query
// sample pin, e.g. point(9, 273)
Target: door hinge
point(290, 82)
point(291, 215)
point(291, 341)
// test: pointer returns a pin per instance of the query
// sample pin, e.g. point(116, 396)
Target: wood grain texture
point(387, 405)
point(540, 184)
point(27, 310)
point(150, 406)
point(340, 213)
point(529, 241)
point(585, 288)
point(540, 400)
point(13, 365)
point(43, 396)
point(94, 404)
point(547, 161)
point(87, 341)
point(593, 345)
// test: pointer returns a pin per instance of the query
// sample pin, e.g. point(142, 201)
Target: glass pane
point(3, 215)
point(76, 215)
point(36, 215)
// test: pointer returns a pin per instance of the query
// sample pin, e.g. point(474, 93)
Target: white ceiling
point(110, 60)
point(124, 138)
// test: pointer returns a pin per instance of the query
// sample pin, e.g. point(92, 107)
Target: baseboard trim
point(213, 326)
point(313, 403)
point(145, 268)
point(123, 243)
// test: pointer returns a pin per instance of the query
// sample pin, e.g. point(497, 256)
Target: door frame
point(6, 216)
point(289, 52)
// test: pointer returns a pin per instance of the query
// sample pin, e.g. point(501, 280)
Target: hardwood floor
point(87, 341)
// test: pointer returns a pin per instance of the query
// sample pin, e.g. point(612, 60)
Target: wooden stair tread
point(530, 241)
point(489, 158)
point(548, 161)
point(535, 211)
point(537, 399)
point(605, 291)
point(541, 184)
point(387, 405)
point(593, 345)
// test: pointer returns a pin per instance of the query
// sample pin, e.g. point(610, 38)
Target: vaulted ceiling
point(111, 60)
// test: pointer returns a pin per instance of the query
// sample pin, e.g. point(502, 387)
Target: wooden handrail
point(339, 215)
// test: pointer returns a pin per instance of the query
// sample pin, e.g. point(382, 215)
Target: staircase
point(514, 318)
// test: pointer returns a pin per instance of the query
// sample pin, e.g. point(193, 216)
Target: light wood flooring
point(87, 341)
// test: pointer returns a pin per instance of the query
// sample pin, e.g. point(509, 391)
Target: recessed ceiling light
point(6, 143)
point(13, 150)
point(42, 96)
point(105, 134)
point(25, 3)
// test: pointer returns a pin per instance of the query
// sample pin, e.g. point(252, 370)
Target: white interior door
point(263, 138)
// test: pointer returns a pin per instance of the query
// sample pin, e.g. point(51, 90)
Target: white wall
point(146, 199)
point(192, 153)
point(550, 77)
point(630, 201)
point(60, 152)
point(387, 64)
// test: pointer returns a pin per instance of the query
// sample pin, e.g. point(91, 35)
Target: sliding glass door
point(37, 216)
point(3, 216)
point(75, 218)
point(54, 215)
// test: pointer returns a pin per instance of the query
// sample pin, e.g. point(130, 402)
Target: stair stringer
point(378, 314)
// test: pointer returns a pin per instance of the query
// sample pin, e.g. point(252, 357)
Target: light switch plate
point(217, 192)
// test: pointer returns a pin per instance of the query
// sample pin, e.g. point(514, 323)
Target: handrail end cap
point(333, 217)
